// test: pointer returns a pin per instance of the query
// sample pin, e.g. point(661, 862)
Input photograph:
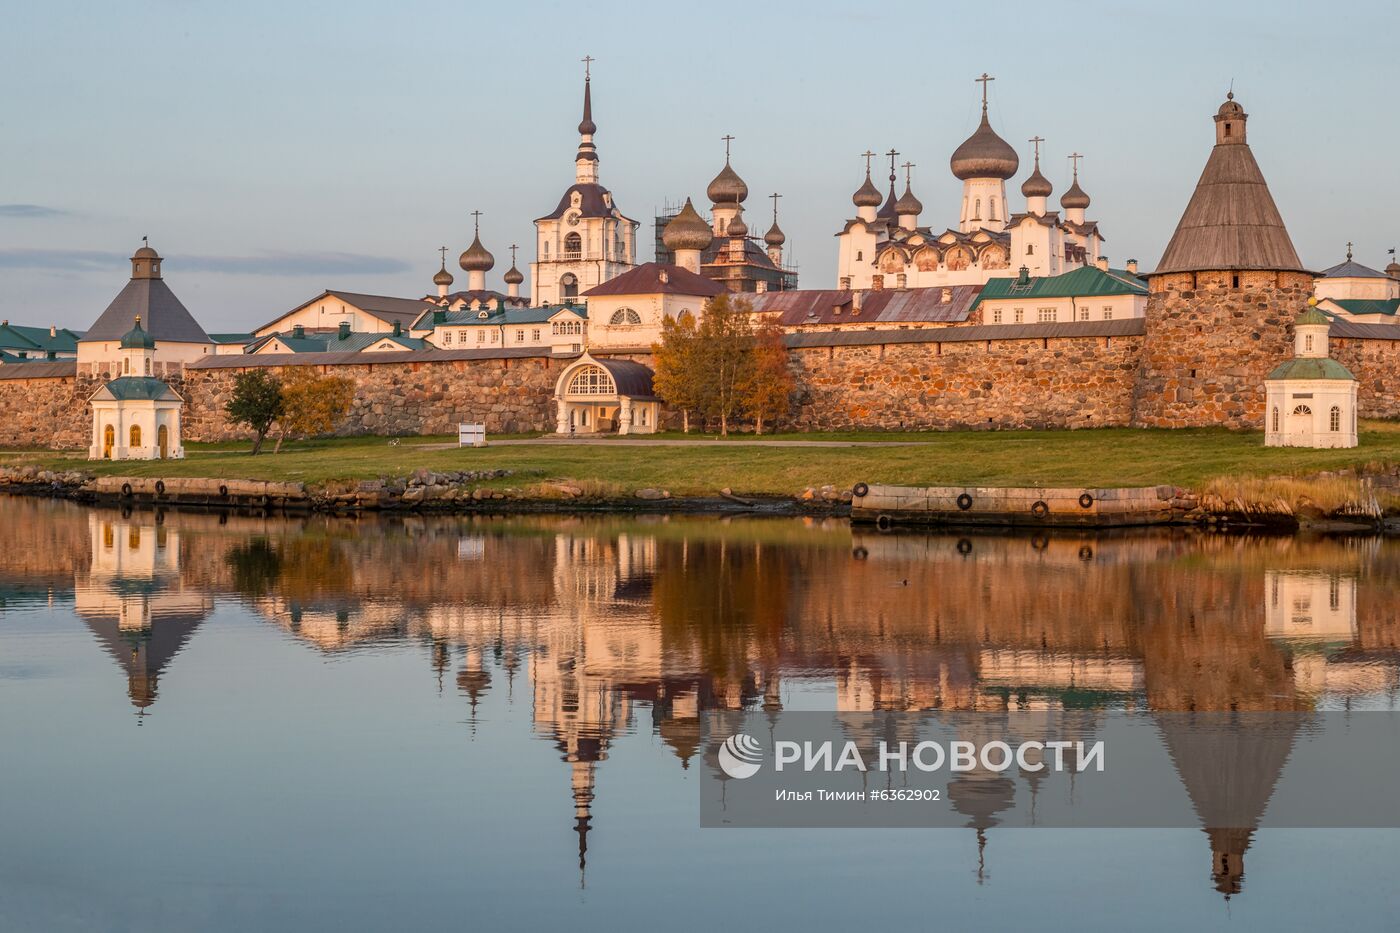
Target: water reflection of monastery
point(617, 626)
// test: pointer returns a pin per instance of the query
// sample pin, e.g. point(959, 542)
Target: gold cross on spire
point(727, 140)
point(868, 156)
point(983, 80)
point(588, 61)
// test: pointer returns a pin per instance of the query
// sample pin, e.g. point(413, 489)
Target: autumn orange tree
point(312, 404)
point(726, 343)
point(676, 359)
point(767, 386)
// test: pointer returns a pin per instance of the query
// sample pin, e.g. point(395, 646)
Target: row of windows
point(481, 332)
point(1044, 315)
point(1334, 417)
point(126, 366)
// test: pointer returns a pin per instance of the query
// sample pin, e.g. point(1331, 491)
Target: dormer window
point(483, 314)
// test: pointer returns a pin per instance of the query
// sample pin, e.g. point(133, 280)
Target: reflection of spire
point(582, 777)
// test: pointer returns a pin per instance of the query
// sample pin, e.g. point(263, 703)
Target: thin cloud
point(274, 264)
point(30, 211)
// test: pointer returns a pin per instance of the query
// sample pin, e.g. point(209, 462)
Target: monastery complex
point(1003, 314)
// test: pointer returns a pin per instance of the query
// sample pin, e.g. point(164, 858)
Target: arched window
point(1274, 419)
point(136, 435)
point(1334, 421)
point(148, 365)
point(591, 380)
point(1302, 410)
point(1307, 341)
point(568, 285)
point(573, 243)
point(977, 209)
point(126, 366)
point(993, 203)
point(625, 316)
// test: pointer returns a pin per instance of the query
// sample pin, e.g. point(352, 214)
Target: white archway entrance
point(605, 396)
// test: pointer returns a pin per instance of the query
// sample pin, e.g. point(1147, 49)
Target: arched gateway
point(605, 396)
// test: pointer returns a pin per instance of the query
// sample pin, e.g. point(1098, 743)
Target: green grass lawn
point(1107, 457)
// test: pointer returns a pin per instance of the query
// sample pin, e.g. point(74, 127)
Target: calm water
point(237, 723)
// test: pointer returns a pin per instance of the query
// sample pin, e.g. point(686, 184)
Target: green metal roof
point(1386, 306)
point(354, 343)
point(139, 388)
point(231, 338)
point(1088, 282)
point(22, 337)
point(496, 317)
point(1304, 368)
point(1312, 316)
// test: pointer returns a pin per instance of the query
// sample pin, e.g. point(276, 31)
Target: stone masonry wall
point(45, 413)
point(1072, 382)
point(1376, 365)
point(1211, 339)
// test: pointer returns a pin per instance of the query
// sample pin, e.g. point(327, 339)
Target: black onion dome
point(477, 258)
point(984, 154)
point(727, 188)
point(687, 230)
point(907, 203)
point(1075, 197)
point(867, 195)
point(1037, 185)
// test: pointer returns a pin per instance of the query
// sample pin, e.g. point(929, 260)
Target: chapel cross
point(775, 195)
point(907, 166)
point(588, 61)
point(1348, 251)
point(727, 141)
point(868, 156)
point(893, 154)
point(443, 250)
point(1037, 140)
point(983, 81)
point(476, 217)
point(1075, 157)
point(513, 248)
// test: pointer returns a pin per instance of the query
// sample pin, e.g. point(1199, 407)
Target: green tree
point(767, 387)
point(312, 404)
point(676, 359)
point(726, 342)
point(256, 402)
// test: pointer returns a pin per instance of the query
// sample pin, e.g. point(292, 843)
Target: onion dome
point(728, 187)
point(984, 154)
point(136, 338)
point(1037, 185)
point(477, 258)
point(513, 276)
point(867, 195)
point(1075, 197)
point(775, 235)
point(907, 203)
point(737, 227)
point(687, 230)
point(443, 277)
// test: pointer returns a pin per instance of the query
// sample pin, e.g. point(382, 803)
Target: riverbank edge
point(465, 492)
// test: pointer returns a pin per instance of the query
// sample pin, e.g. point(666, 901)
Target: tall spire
point(586, 160)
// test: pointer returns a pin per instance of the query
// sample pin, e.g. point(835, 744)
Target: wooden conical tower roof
point(1231, 221)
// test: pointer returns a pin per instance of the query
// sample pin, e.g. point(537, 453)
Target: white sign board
point(471, 435)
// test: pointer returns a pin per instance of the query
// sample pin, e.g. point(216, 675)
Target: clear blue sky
point(274, 149)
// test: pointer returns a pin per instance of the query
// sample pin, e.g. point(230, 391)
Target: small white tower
point(1310, 401)
point(1037, 188)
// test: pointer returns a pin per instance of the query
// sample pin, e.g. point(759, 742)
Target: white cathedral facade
point(885, 246)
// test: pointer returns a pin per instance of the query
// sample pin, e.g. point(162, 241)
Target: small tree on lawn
point(678, 379)
point(312, 404)
point(767, 388)
point(726, 355)
point(256, 402)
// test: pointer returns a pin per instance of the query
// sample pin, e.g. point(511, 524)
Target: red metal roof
point(951, 304)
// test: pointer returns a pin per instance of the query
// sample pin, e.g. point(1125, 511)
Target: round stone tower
point(1222, 301)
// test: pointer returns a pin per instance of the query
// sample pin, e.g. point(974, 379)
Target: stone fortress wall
point(1036, 376)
